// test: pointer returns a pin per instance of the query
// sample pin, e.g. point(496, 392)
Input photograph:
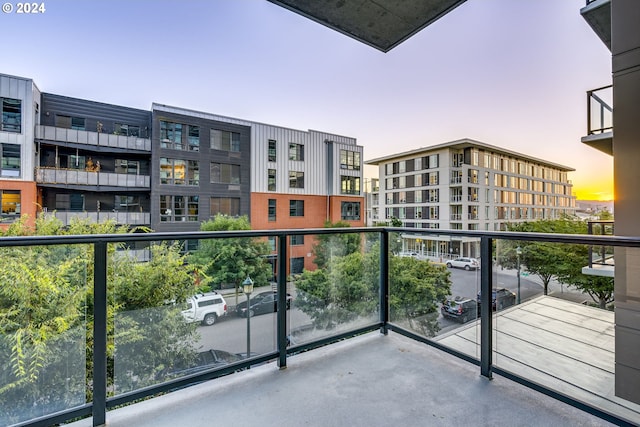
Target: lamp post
point(247, 288)
point(518, 253)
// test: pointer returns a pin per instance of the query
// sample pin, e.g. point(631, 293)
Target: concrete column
point(625, 49)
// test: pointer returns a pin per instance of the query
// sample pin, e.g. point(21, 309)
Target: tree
point(562, 261)
point(329, 246)
point(46, 319)
point(350, 290)
point(231, 260)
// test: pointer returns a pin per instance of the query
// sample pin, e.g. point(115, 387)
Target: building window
point(349, 184)
point(296, 239)
point(296, 208)
point(271, 180)
point(127, 203)
point(223, 173)
point(127, 167)
point(417, 213)
point(434, 195)
point(417, 198)
point(70, 202)
point(11, 110)
point(178, 208)
point(193, 138)
point(225, 141)
point(433, 178)
point(272, 242)
point(171, 135)
point(349, 160)
point(272, 210)
point(272, 151)
point(179, 172)
point(296, 151)
point(10, 202)
point(296, 179)
point(350, 211)
point(10, 160)
point(69, 122)
point(225, 205)
point(297, 265)
point(388, 168)
point(433, 161)
point(126, 130)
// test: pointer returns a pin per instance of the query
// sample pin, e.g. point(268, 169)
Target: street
point(230, 332)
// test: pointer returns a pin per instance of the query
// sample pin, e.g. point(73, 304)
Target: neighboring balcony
point(51, 133)
point(597, 13)
point(601, 262)
point(82, 177)
point(125, 218)
point(600, 119)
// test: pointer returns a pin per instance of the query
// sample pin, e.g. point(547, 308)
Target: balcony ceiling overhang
point(382, 24)
point(598, 15)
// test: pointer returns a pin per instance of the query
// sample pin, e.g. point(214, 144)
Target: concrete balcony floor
point(371, 380)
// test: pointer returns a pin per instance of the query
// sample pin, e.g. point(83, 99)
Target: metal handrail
point(101, 402)
point(605, 111)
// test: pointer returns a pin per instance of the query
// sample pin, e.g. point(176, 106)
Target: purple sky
point(509, 73)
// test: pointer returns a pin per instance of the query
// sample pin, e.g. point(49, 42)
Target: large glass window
point(179, 172)
point(225, 140)
point(193, 137)
point(127, 203)
point(171, 135)
point(225, 205)
point(296, 208)
point(349, 184)
point(11, 110)
point(127, 130)
point(350, 211)
point(349, 160)
point(272, 150)
point(179, 208)
point(10, 202)
point(296, 239)
point(223, 173)
point(296, 151)
point(296, 179)
point(69, 122)
point(10, 160)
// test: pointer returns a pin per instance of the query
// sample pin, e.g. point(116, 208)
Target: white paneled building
point(467, 185)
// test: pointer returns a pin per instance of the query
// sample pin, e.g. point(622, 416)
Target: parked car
point(408, 254)
point(463, 262)
point(500, 298)
point(460, 308)
point(264, 302)
point(205, 308)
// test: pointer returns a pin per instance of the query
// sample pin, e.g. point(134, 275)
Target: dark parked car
point(460, 309)
point(500, 298)
point(264, 302)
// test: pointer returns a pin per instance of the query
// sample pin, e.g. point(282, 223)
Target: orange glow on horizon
point(593, 194)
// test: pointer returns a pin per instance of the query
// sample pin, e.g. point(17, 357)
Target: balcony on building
point(597, 13)
point(601, 257)
point(104, 141)
point(600, 119)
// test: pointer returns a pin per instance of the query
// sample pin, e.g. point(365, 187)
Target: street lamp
point(247, 288)
point(518, 253)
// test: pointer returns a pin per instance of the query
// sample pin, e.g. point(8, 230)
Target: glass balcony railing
point(52, 133)
point(600, 110)
point(86, 326)
point(82, 177)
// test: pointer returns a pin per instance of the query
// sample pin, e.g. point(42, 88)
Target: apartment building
point(93, 161)
point(19, 106)
point(281, 178)
point(467, 185)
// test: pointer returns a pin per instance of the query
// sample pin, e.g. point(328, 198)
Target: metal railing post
point(282, 302)
point(384, 281)
point(99, 408)
point(486, 312)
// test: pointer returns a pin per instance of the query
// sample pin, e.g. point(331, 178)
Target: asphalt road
point(230, 333)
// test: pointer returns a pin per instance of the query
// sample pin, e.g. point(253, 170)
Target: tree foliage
point(46, 306)
point(328, 246)
point(348, 289)
point(231, 260)
point(563, 262)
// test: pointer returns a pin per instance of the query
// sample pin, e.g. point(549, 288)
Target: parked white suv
point(205, 308)
point(462, 262)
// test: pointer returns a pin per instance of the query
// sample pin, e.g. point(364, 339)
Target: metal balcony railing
point(100, 264)
point(599, 110)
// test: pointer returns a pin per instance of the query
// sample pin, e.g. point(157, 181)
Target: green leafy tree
point(46, 306)
point(230, 261)
point(329, 246)
point(350, 290)
point(555, 260)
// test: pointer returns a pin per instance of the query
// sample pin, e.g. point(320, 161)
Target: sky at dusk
point(510, 73)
